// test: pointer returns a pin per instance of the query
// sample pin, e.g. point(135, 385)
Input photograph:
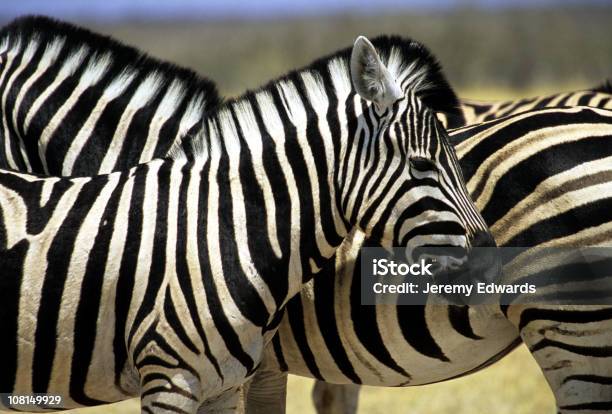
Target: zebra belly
point(327, 334)
point(405, 356)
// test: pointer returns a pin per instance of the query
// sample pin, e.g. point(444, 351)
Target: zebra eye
point(422, 168)
point(422, 164)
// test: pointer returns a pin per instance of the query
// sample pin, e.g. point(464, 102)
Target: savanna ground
point(486, 55)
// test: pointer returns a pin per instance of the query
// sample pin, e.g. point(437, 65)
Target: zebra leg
point(266, 393)
point(335, 398)
point(573, 347)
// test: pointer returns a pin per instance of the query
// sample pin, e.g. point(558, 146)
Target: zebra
point(70, 98)
point(513, 167)
point(476, 112)
point(130, 283)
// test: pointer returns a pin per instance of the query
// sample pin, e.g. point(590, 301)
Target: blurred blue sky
point(202, 9)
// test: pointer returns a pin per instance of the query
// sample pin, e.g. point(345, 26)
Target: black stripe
point(544, 102)
point(594, 379)
point(10, 293)
point(324, 304)
point(129, 261)
point(585, 99)
point(317, 147)
point(473, 159)
point(278, 352)
point(535, 169)
point(588, 215)
point(413, 324)
point(564, 315)
point(139, 126)
point(175, 322)
point(593, 406)
point(298, 165)
point(295, 314)
point(98, 142)
point(265, 260)
point(459, 317)
point(589, 351)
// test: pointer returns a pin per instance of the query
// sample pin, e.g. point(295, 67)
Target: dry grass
point(514, 385)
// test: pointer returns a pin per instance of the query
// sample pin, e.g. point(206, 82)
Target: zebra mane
point(46, 30)
point(44, 38)
point(413, 66)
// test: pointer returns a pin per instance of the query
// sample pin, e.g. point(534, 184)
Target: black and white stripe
point(166, 280)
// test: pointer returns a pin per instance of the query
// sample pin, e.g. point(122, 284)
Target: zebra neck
point(275, 175)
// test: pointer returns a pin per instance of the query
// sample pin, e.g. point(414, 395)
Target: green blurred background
point(490, 49)
point(485, 53)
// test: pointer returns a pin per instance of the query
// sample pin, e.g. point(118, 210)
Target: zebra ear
point(370, 77)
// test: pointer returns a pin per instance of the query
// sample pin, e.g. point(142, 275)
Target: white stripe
point(167, 107)
point(146, 91)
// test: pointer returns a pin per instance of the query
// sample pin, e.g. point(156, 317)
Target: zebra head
point(408, 189)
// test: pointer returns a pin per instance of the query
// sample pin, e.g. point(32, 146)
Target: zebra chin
point(459, 266)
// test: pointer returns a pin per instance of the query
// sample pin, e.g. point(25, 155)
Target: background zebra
point(77, 103)
point(476, 112)
point(121, 240)
point(540, 178)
